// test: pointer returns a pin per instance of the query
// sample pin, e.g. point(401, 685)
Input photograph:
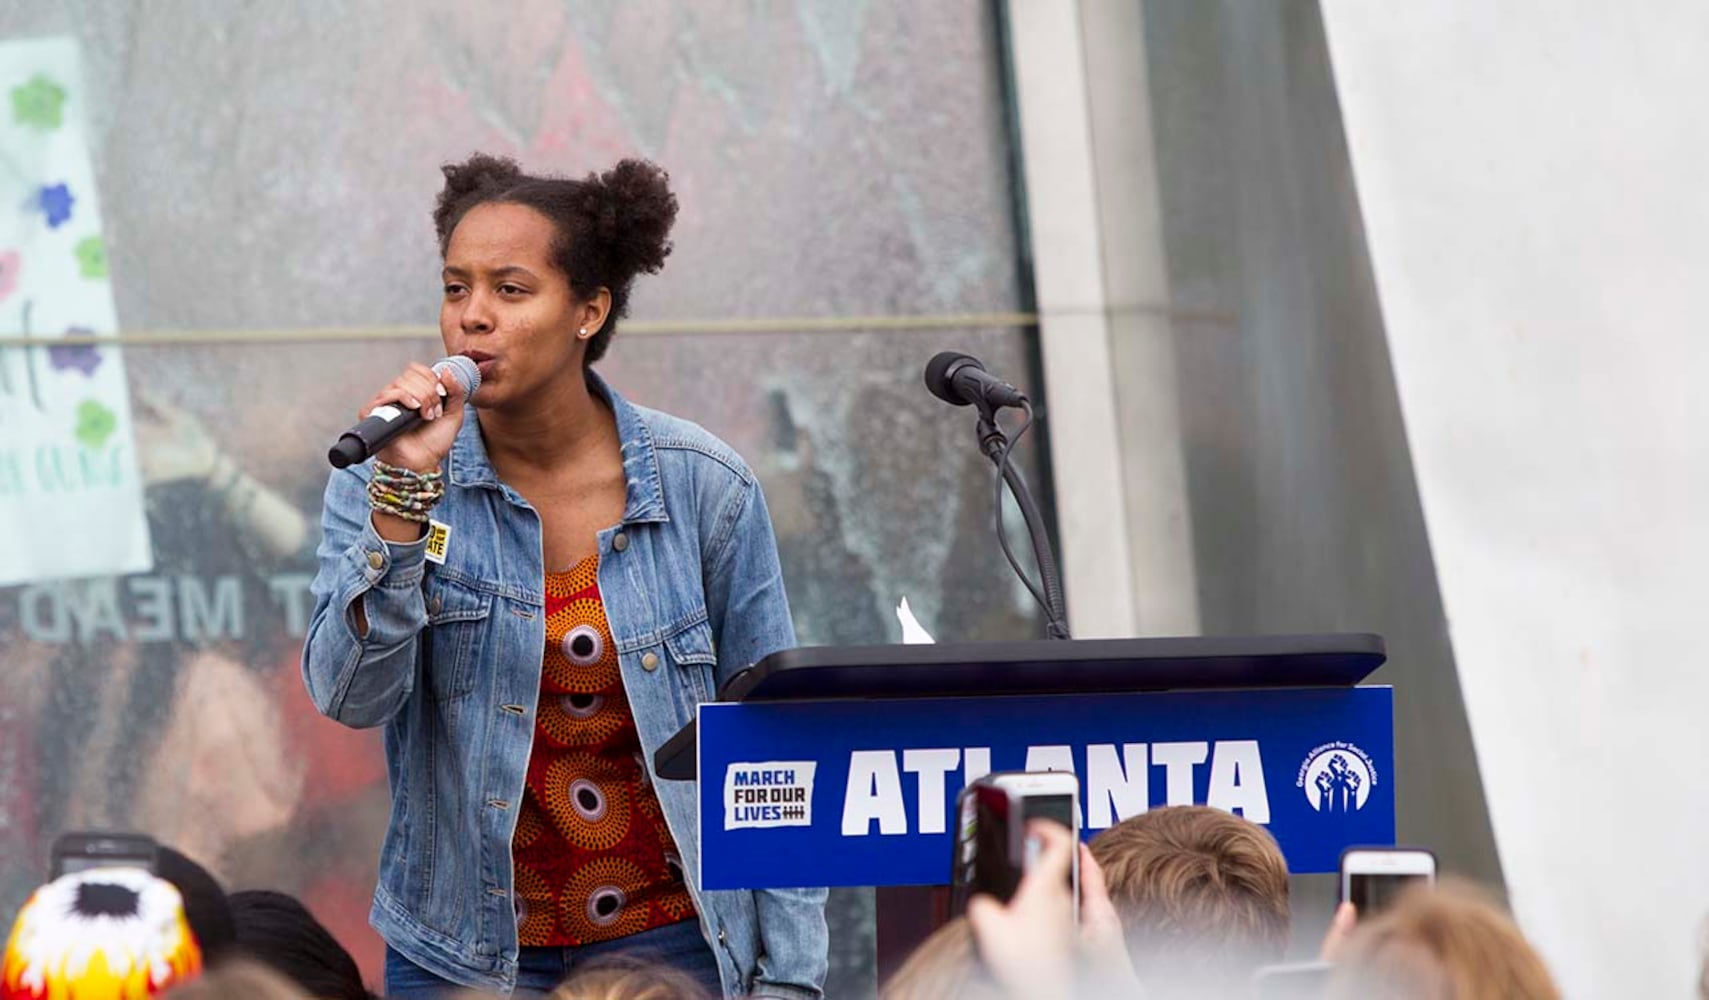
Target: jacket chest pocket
point(691, 654)
point(455, 637)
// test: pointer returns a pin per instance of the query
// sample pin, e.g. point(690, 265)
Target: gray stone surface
point(273, 166)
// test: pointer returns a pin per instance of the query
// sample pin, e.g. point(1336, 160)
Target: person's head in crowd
point(239, 979)
point(944, 967)
point(1202, 895)
point(1447, 943)
point(1043, 943)
point(205, 903)
point(100, 934)
point(280, 933)
point(627, 979)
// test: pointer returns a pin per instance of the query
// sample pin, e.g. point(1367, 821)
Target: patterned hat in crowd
point(101, 934)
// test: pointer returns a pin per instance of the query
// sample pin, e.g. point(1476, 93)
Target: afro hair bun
point(634, 214)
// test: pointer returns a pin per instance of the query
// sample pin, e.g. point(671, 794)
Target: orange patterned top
point(594, 859)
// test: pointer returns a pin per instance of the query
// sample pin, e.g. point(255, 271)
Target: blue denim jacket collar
point(645, 502)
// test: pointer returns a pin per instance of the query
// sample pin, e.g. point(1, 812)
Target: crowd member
point(206, 905)
point(1450, 941)
point(100, 934)
point(1202, 895)
point(605, 567)
point(944, 967)
point(279, 932)
point(1034, 949)
point(627, 979)
point(238, 979)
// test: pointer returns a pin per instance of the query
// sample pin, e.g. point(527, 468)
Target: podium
point(839, 766)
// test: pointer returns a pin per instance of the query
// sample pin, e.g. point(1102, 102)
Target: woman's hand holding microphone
point(415, 456)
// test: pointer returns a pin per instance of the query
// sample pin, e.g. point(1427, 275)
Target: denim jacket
point(451, 667)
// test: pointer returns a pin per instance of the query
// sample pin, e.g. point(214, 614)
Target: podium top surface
point(1040, 667)
point(1082, 666)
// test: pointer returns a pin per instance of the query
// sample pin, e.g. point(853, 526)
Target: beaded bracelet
point(405, 493)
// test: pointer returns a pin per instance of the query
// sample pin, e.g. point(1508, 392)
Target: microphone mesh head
point(938, 372)
point(463, 369)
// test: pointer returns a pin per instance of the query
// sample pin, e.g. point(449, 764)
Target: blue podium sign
point(863, 793)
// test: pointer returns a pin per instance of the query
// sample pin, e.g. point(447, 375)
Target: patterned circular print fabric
point(594, 859)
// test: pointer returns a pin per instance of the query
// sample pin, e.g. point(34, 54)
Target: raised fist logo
point(1337, 781)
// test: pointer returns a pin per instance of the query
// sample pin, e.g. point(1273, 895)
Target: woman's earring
point(582, 333)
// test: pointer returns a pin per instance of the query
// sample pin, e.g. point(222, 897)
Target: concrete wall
point(1195, 230)
point(1532, 177)
point(1304, 512)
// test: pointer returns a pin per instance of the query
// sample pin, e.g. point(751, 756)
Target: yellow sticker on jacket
point(438, 540)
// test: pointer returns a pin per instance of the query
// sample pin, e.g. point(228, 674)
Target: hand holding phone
point(1028, 942)
point(1373, 877)
point(1341, 927)
point(992, 848)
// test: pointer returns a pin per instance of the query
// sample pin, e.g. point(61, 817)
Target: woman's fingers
point(418, 388)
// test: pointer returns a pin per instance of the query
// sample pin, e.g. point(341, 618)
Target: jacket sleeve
point(749, 611)
point(362, 680)
point(745, 600)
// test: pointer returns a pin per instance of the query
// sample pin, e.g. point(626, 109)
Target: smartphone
point(1373, 877)
point(1295, 981)
point(992, 851)
point(75, 852)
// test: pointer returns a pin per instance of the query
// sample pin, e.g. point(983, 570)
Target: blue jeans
point(679, 946)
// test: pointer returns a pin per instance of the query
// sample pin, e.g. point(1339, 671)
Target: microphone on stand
point(960, 380)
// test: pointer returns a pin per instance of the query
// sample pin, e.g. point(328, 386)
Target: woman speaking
point(597, 569)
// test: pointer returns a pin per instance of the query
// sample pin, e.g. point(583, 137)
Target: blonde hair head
point(944, 967)
point(1200, 882)
point(1447, 943)
point(627, 979)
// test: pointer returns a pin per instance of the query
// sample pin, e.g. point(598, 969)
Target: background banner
point(68, 463)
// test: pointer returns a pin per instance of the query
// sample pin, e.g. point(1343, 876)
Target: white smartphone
point(1372, 877)
point(992, 849)
point(1052, 795)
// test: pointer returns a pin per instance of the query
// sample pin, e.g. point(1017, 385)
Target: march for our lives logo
point(1337, 778)
point(765, 794)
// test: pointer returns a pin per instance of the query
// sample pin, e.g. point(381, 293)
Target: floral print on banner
point(68, 462)
point(83, 358)
point(40, 102)
point(55, 202)
point(95, 423)
point(91, 257)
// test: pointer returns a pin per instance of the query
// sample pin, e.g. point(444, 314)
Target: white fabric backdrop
point(1534, 178)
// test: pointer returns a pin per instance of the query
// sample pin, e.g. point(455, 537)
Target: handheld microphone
point(386, 422)
point(960, 380)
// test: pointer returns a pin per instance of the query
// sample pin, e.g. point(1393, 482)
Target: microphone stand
point(994, 443)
